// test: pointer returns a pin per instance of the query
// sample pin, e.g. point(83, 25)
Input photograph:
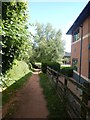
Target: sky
point(60, 14)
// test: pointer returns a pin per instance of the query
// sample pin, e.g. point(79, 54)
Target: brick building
point(80, 46)
point(66, 58)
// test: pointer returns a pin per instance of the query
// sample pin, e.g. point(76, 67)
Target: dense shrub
point(53, 65)
point(44, 67)
point(30, 66)
point(68, 71)
point(38, 64)
point(14, 33)
point(34, 65)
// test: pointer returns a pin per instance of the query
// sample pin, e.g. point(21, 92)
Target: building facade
point(66, 58)
point(80, 46)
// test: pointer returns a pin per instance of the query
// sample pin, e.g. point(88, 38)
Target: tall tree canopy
point(48, 44)
point(15, 36)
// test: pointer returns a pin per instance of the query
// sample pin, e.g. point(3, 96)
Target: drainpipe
point(81, 53)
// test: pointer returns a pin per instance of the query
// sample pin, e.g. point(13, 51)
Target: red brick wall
point(85, 57)
point(75, 48)
point(89, 49)
point(89, 37)
point(89, 24)
point(85, 27)
point(75, 51)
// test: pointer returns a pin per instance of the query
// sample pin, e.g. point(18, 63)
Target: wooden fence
point(74, 95)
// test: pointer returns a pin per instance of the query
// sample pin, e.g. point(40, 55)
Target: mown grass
point(65, 65)
point(7, 93)
point(54, 104)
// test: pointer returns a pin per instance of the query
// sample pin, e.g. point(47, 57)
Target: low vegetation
point(54, 104)
point(18, 70)
point(53, 65)
point(68, 71)
point(15, 79)
point(7, 93)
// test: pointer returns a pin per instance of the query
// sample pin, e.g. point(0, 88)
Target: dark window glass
point(76, 35)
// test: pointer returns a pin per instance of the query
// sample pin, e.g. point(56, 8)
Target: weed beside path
point(9, 95)
point(55, 106)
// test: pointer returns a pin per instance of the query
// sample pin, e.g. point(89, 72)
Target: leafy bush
point(44, 67)
point(30, 66)
point(38, 64)
point(53, 65)
point(14, 33)
point(68, 71)
point(35, 65)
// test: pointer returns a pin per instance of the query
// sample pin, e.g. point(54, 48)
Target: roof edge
point(82, 16)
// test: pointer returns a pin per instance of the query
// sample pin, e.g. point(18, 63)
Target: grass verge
point(18, 70)
point(7, 93)
point(55, 106)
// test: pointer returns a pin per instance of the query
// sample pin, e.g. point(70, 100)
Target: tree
point(15, 36)
point(48, 44)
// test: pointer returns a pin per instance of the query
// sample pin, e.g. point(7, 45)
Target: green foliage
point(53, 65)
point(55, 106)
point(30, 66)
point(38, 64)
point(9, 92)
point(18, 70)
point(35, 65)
point(44, 67)
point(68, 71)
point(15, 36)
point(48, 44)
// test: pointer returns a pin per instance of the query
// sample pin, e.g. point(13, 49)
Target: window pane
point(76, 35)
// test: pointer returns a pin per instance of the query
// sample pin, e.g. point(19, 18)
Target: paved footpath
point(31, 101)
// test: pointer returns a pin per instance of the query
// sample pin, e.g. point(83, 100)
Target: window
point(75, 63)
point(76, 35)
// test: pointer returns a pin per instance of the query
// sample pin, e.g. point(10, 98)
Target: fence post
point(65, 83)
point(57, 81)
point(65, 97)
point(84, 100)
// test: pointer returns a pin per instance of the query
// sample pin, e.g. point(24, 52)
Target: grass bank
point(15, 79)
point(7, 93)
point(18, 70)
point(55, 106)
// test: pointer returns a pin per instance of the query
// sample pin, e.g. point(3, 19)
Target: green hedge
point(53, 65)
point(68, 71)
point(44, 67)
